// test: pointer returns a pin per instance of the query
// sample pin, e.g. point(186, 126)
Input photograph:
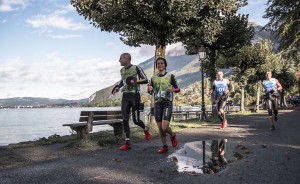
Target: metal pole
point(203, 113)
point(203, 152)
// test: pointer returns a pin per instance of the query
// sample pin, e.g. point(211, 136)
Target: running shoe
point(222, 125)
point(163, 149)
point(147, 134)
point(125, 146)
point(174, 140)
point(275, 117)
point(273, 127)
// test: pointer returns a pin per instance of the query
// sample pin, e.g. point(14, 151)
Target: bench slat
point(94, 123)
point(110, 122)
point(75, 124)
point(100, 113)
point(97, 118)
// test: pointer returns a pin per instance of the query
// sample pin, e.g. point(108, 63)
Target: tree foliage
point(139, 21)
point(151, 22)
point(223, 37)
point(252, 63)
point(284, 22)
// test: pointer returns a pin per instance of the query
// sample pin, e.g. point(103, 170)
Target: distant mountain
point(36, 102)
point(262, 34)
point(185, 67)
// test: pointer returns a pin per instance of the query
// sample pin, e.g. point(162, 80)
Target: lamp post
point(202, 57)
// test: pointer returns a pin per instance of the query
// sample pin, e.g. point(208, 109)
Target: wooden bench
point(92, 118)
point(251, 109)
point(188, 114)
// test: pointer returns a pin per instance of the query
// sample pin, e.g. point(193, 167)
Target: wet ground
point(206, 157)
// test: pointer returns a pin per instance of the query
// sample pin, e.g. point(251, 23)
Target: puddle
point(204, 157)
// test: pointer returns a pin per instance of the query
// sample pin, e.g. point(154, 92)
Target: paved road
point(269, 157)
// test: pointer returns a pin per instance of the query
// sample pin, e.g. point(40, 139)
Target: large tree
point(246, 62)
point(230, 33)
point(151, 22)
point(284, 16)
point(253, 61)
point(138, 22)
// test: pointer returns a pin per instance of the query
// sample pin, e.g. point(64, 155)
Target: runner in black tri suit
point(271, 86)
point(131, 77)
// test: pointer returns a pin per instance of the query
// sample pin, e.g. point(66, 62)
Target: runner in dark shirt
point(131, 78)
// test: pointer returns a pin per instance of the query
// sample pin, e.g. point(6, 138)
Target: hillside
point(38, 102)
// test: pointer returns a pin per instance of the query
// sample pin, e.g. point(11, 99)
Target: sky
point(48, 50)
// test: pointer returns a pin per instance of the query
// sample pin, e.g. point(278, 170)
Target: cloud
point(176, 49)
point(141, 54)
point(55, 77)
point(254, 2)
point(3, 21)
point(11, 5)
point(143, 51)
point(46, 22)
point(64, 9)
point(112, 45)
point(64, 37)
point(57, 20)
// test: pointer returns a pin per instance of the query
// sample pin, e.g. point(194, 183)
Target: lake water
point(18, 125)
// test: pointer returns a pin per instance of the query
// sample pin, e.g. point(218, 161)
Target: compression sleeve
point(174, 84)
point(143, 78)
point(120, 84)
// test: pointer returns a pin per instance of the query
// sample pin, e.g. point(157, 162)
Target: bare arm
point(212, 88)
point(229, 87)
point(279, 86)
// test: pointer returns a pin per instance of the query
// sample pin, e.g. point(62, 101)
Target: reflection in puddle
point(207, 157)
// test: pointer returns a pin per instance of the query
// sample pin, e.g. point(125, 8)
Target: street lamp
point(202, 57)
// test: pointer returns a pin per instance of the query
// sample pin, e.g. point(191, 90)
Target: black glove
point(129, 79)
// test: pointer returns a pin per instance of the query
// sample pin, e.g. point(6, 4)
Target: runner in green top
point(131, 77)
point(162, 86)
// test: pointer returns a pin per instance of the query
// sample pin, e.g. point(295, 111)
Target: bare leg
point(162, 133)
point(164, 129)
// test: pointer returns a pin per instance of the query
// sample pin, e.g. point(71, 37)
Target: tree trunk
point(282, 99)
point(242, 98)
point(257, 98)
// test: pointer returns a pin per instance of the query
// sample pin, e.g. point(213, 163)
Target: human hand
point(226, 91)
point(115, 90)
point(170, 90)
point(149, 88)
